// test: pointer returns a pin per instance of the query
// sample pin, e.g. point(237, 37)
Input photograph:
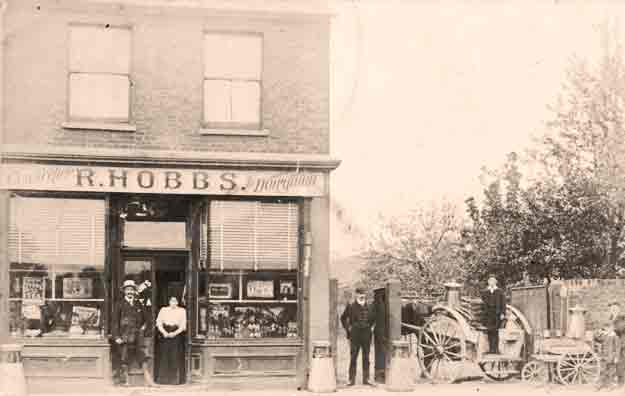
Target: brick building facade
point(183, 145)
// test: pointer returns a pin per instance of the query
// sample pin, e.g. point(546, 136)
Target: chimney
point(452, 293)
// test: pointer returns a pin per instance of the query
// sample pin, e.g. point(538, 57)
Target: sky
point(425, 93)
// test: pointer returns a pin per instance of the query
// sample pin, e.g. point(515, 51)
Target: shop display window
point(247, 304)
point(57, 285)
point(250, 287)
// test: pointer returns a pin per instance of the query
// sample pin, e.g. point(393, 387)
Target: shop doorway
point(159, 276)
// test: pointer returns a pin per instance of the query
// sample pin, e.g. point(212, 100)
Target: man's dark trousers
point(360, 339)
point(493, 340)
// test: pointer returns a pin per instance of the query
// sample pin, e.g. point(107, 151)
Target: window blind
point(55, 231)
point(253, 235)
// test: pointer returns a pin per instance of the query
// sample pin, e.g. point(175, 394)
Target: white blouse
point(172, 316)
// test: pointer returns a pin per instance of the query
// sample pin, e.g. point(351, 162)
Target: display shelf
point(216, 301)
point(65, 299)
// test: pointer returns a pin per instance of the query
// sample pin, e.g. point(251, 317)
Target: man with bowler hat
point(128, 329)
point(357, 320)
point(494, 312)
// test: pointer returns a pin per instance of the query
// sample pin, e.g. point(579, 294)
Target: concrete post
point(393, 312)
point(318, 269)
point(334, 321)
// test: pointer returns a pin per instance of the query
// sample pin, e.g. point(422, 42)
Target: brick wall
point(594, 295)
point(167, 76)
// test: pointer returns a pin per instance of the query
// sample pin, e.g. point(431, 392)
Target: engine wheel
point(441, 348)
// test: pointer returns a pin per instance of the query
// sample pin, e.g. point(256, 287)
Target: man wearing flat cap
point(494, 312)
point(357, 320)
point(128, 329)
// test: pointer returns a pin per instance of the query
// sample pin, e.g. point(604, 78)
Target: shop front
point(233, 245)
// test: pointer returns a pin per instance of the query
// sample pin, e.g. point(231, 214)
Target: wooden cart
point(562, 360)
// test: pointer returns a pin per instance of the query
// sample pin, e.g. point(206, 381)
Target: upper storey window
point(232, 80)
point(99, 73)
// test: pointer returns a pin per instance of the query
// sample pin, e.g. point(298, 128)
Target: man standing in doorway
point(494, 312)
point(357, 320)
point(129, 333)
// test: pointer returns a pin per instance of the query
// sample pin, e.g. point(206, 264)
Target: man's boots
point(125, 380)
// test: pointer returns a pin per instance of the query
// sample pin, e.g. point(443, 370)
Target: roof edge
point(18, 152)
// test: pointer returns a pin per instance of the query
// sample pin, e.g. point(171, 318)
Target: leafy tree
point(583, 151)
point(568, 219)
point(422, 249)
point(494, 238)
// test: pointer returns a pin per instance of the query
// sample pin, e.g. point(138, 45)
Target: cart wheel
point(497, 370)
point(578, 368)
point(441, 348)
point(535, 372)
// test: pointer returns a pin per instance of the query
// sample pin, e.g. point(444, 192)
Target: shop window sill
point(248, 373)
point(262, 342)
point(99, 126)
point(61, 341)
point(234, 132)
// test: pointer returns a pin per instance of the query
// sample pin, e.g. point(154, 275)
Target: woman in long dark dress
point(171, 323)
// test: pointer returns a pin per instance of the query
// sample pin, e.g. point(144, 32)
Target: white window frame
point(78, 122)
point(232, 124)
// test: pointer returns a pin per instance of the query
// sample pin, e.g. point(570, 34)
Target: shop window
point(232, 80)
point(251, 287)
point(56, 249)
point(99, 73)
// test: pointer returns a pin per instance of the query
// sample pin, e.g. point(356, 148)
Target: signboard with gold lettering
point(161, 180)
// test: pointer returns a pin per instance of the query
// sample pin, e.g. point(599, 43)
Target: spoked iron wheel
point(535, 373)
point(497, 370)
point(578, 368)
point(441, 348)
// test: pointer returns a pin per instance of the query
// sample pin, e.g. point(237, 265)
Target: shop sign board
point(161, 180)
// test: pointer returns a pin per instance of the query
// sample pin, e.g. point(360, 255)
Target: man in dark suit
point(128, 332)
point(357, 320)
point(494, 312)
point(617, 319)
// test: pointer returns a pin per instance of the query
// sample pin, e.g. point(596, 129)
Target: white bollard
point(12, 371)
point(402, 369)
point(322, 378)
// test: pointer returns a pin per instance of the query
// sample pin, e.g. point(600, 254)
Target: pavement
point(479, 387)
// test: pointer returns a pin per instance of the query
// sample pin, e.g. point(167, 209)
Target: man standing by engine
point(494, 312)
point(357, 320)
